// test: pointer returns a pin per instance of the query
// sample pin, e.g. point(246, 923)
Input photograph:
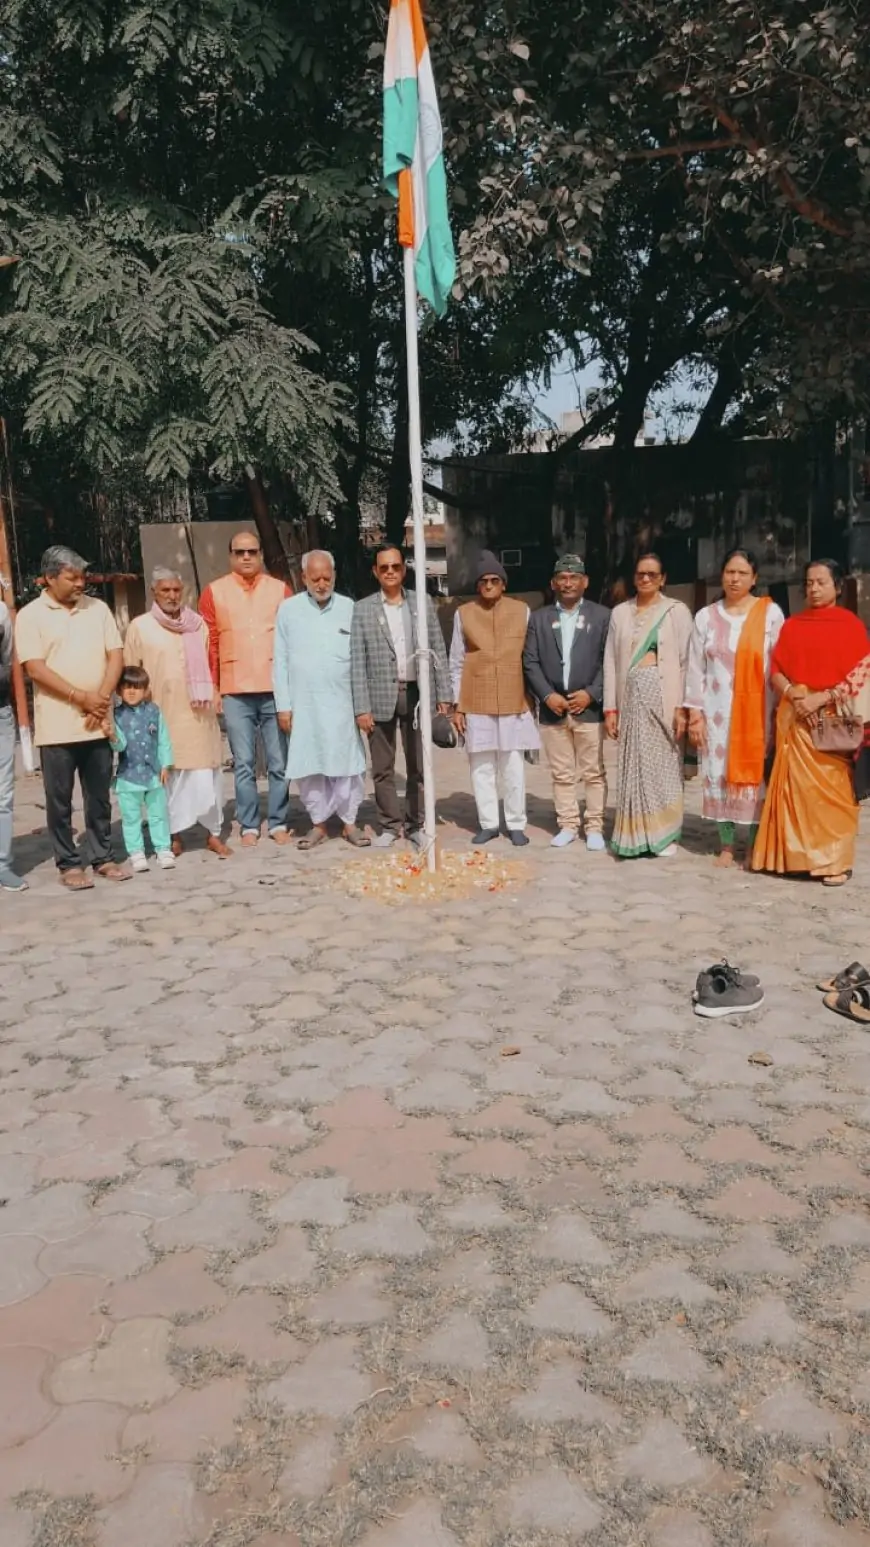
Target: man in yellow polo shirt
point(71, 650)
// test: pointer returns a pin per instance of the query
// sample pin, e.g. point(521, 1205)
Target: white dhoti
point(324, 797)
point(196, 795)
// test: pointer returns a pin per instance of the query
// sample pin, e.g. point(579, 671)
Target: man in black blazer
point(564, 667)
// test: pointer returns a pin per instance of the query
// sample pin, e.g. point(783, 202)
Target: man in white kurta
point(158, 641)
point(311, 683)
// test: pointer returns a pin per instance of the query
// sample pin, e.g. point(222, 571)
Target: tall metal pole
point(415, 455)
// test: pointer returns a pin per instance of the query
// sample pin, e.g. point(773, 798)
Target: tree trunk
point(274, 556)
point(729, 380)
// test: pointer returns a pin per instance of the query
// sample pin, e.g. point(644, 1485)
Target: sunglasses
point(384, 569)
point(246, 553)
point(647, 574)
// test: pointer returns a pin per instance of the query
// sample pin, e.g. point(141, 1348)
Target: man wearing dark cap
point(494, 715)
point(564, 666)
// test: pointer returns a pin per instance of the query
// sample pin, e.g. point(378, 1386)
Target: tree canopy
point(207, 285)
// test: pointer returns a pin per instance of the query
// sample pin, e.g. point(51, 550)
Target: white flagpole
point(415, 455)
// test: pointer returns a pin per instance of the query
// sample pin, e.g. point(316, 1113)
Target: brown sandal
point(311, 840)
point(112, 872)
point(77, 880)
point(850, 977)
point(854, 1003)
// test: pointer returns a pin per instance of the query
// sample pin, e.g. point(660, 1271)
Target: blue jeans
point(7, 785)
point(244, 715)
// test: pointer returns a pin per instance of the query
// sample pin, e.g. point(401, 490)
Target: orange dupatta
point(747, 742)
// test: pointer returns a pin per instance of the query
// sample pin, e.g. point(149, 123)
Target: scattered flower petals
point(392, 878)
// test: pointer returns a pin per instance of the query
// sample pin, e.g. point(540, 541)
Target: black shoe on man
point(485, 835)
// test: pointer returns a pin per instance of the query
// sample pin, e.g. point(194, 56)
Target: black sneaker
point(723, 969)
point(726, 992)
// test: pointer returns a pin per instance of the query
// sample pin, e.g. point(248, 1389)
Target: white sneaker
point(669, 852)
point(166, 859)
point(138, 864)
point(595, 843)
point(562, 839)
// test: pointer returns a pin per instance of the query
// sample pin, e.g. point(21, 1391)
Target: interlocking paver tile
point(316, 1200)
point(19, 1275)
point(177, 1285)
point(550, 1500)
point(563, 1308)
point(670, 1357)
point(757, 1253)
point(245, 1327)
point(355, 1301)
point(288, 1248)
point(23, 1408)
point(112, 1248)
point(420, 1525)
point(790, 1411)
point(289, 1261)
point(800, 1519)
point(330, 1382)
point(663, 1458)
point(567, 1238)
point(393, 1231)
point(561, 1396)
point(460, 1343)
point(769, 1322)
point(191, 1423)
point(130, 1368)
point(220, 1222)
point(74, 1454)
point(678, 1528)
point(161, 1506)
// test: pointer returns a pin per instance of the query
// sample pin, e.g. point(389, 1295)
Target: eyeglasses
point(647, 574)
point(246, 553)
point(384, 569)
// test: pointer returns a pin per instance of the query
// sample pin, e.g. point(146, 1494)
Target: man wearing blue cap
point(564, 668)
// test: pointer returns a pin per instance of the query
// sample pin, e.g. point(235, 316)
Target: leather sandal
point(355, 838)
point(112, 872)
point(311, 840)
point(77, 880)
point(850, 977)
point(854, 1003)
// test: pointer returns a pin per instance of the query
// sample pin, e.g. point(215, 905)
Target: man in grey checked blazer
point(383, 674)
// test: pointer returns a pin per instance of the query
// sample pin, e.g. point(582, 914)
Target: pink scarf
point(200, 688)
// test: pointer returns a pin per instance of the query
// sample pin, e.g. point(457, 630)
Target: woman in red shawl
point(810, 817)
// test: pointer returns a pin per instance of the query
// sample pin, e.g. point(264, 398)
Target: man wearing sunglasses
point(383, 669)
point(240, 611)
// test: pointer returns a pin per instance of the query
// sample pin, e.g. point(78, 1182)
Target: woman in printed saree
point(730, 701)
point(644, 678)
point(810, 817)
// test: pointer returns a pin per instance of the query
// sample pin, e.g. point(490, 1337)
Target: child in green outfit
point(140, 736)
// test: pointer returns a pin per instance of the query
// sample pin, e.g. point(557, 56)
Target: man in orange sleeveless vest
point(493, 714)
point(240, 611)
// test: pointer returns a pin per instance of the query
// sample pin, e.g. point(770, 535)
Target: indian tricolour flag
point(413, 153)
